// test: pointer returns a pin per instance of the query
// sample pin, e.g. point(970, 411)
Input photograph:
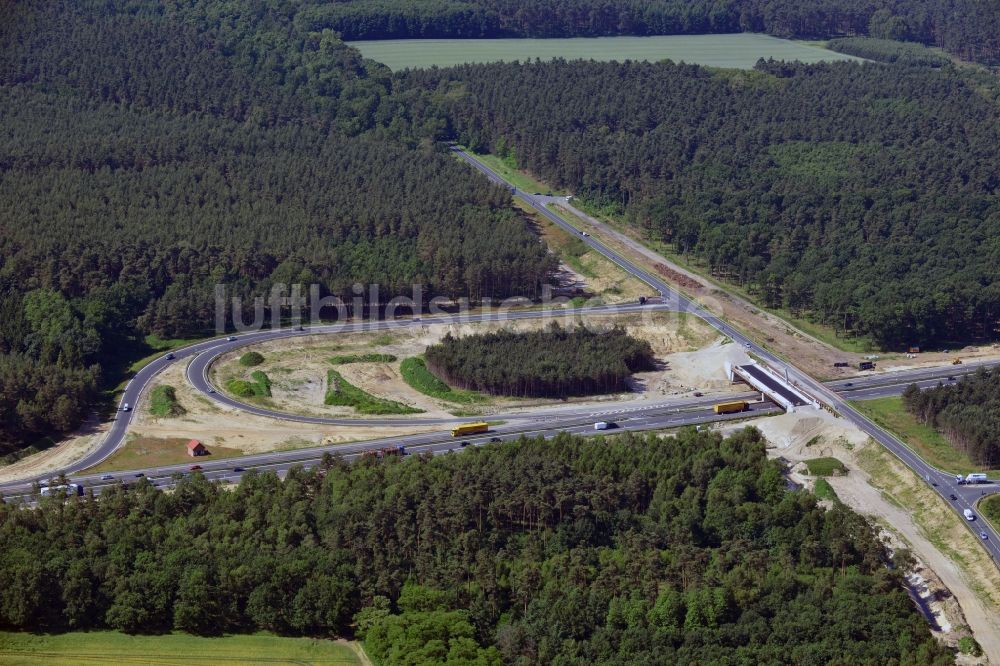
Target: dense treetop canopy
point(865, 196)
point(632, 550)
point(967, 412)
point(554, 362)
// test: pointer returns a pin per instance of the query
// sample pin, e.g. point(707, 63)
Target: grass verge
point(260, 387)
point(937, 522)
point(825, 467)
point(362, 358)
point(928, 443)
point(418, 377)
point(342, 393)
point(823, 490)
point(110, 647)
point(163, 402)
point(508, 170)
point(989, 508)
point(140, 452)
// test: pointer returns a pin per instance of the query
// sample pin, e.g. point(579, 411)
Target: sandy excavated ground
point(60, 456)
point(298, 367)
point(215, 424)
point(957, 596)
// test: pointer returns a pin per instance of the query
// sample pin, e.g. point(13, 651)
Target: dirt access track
point(957, 581)
point(808, 352)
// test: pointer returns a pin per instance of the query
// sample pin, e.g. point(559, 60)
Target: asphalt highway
point(796, 376)
point(542, 422)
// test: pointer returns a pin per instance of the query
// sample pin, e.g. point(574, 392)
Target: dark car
point(195, 468)
point(953, 497)
point(495, 439)
point(698, 394)
point(951, 378)
point(139, 475)
point(170, 356)
point(464, 444)
point(237, 469)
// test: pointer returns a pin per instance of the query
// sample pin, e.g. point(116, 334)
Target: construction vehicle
point(470, 429)
point(957, 361)
point(731, 407)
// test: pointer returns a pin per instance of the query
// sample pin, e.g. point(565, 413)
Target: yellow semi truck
point(731, 407)
point(470, 429)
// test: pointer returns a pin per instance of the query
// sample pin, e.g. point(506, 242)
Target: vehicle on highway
point(300, 328)
point(231, 338)
point(495, 439)
point(237, 469)
point(731, 407)
point(747, 345)
point(194, 468)
point(126, 407)
point(470, 429)
point(211, 389)
point(107, 477)
point(959, 479)
point(70, 490)
point(139, 475)
point(849, 384)
point(977, 478)
point(698, 394)
point(953, 497)
point(464, 444)
point(951, 378)
point(601, 425)
point(584, 233)
point(415, 319)
point(983, 535)
point(969, 515)
point(170, 356)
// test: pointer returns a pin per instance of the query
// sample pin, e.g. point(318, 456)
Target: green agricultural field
point(108, 647)
point(738, 51)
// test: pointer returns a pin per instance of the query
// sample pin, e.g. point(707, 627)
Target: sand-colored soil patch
point(298, 367)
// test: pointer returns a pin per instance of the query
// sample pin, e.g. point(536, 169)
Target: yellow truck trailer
point(470, 429)
point(731, 407)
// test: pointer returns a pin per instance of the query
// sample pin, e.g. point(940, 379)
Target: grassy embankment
point(260, 387)
point(989, 508)
point(935, 519)
point(341, 393)
point(929, 444)
point(163, 402)
point(825, 467)
point(362, 358)
point(418, 377)
point(108, 647)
